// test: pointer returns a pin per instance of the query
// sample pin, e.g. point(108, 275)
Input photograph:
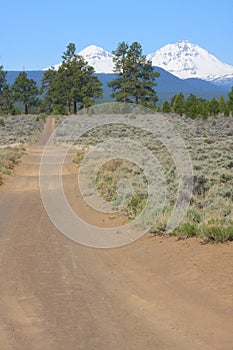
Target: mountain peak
point(94, 49)
point(187, 60)
point(98, 58)
point(182, 59)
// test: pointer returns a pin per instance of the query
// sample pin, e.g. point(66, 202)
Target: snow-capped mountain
point(98, 58)
point(182, 59)
point(186, 60)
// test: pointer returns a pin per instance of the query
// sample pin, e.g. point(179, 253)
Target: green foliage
point(230, 103)
point(222, 104)
point(79, 156)
point(213, 122)
point(179, 104)
point(25, 91)
point(135, 79)
point(213, 107)
point(6, 100)
point(135, 206)
point(186, 230)
point(191, 106)
point(166, 108)
point(195, 107)
point(9, 158)
point(2, 123)
point(226, 112)
point(73, 84)
point(218, 231)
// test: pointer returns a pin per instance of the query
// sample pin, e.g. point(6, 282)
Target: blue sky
point(34, 33)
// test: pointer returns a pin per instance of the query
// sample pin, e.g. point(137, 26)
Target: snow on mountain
point(186, 60)
point(96, 57)
point(182, 59)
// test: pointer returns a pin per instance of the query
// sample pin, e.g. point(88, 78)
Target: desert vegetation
point(16, 132)
point(9, 158)
point(210, 143)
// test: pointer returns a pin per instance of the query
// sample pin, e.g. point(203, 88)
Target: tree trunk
point(75, 107)
point(26, 108)
point(68, 108)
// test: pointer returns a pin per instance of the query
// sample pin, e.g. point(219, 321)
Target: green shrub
point(217, 232)
point(186, 230)
point(79, 156)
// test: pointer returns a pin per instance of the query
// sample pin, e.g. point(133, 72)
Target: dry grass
point(9, 158)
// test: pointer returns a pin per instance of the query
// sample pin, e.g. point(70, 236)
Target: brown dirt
point(157, 293)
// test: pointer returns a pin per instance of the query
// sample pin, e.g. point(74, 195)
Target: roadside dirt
point(157, 293)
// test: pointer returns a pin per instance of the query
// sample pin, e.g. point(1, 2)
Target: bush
point(217, 232)
point(186, 230)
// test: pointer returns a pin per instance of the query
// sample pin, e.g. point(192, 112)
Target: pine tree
point(73, 83)
point(135, 79)
point(48, 91)
point(6, 99)
point(166, 108)
point(230, 102)
point(25, 90)
point(213, 107)
point(202, 108)
point(179, 104)
point(222, 104)
point(191, 105)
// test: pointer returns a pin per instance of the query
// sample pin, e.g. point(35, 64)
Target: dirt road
point(157, 293)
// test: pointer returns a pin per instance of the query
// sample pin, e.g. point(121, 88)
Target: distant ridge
point(168, 85)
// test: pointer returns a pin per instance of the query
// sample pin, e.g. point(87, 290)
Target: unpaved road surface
point(157, 293)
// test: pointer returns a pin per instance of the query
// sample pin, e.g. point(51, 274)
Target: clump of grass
point(9, 158)
point(186, 230)
point(135, 206)
point(217, 231)
point(79, 156)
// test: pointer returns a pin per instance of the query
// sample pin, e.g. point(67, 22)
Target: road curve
point(157, 293)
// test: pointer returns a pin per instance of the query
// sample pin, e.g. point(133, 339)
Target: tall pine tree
point(6, 98)
point(25, 90)
point(135, 79)
point(73, 83)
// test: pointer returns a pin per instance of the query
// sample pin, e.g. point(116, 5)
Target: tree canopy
point(6, 98)
point(25, 90)
point(135, 79)
point(72, 84)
